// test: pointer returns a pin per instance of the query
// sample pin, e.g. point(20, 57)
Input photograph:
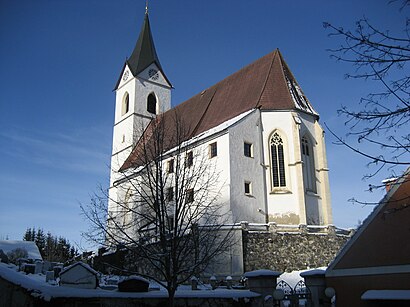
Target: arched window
point(277, 161)
point(309, 173)
point(152, 103)
point(125, 104)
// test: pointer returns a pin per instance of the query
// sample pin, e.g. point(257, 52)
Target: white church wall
point(251, 206)
point(317, 203)
point(218, 165)
point(284, 204)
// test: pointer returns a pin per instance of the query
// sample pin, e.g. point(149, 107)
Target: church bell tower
point(142, 92)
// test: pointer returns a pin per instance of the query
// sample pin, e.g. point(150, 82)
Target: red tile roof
point(267, 84)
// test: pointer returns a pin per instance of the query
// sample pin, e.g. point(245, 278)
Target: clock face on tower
point(153, 74)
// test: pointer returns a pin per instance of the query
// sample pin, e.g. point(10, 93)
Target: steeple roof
point(266, 84)
point(144, 53)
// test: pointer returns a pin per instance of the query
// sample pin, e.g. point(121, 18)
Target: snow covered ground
point(40, 288)
point(36, 283)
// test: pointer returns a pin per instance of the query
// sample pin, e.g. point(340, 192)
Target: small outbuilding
point(79, 275)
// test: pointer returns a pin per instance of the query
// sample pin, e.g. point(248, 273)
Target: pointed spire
point(144, 53)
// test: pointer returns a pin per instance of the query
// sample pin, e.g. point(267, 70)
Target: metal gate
point(299, 295)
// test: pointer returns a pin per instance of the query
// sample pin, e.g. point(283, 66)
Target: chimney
point(389, 183)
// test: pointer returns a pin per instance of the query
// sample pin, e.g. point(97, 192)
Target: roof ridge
point(267, 78)
point(203, 114)
point(282, 61)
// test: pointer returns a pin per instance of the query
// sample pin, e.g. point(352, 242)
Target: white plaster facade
point(292, 204)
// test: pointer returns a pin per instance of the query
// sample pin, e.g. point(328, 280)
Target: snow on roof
point(136, 277)
point(313, 272)
point(386, 295)
point(198, 138)
point(84, 265)
point(258, 273)
point(29, 246)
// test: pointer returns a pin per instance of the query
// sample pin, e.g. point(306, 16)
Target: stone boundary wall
point(287, 248)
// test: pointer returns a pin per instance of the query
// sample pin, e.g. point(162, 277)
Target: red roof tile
point(263, 84)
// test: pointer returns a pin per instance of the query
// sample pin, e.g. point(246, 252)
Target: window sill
point(249, 195)
point(280, 191)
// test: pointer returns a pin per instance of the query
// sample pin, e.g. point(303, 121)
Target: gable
point(125, 76)
point(154, 74)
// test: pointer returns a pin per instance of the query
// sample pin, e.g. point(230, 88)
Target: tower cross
point(146, 6)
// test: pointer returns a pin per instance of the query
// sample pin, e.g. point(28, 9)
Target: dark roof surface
point(266, 84)
point(144, 53)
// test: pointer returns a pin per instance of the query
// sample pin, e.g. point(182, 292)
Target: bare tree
point(381, 122)
point(169, 212)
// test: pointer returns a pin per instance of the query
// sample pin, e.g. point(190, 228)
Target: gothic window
point(309, 173)
point(152, 103)
point(125, 104)
point(277, 161)
point(126, 207)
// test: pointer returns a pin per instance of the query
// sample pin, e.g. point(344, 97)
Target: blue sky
point(59, 61)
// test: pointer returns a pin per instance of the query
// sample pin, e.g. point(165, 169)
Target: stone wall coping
point(301, 228)
point(262, 273)
point(315, 272)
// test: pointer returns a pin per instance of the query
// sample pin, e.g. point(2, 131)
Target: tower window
point(213, 150)
point(309, 173)
point(125, 104)
point(248, 149)
point(277, 161)
point(152, 104)
point(248, 188)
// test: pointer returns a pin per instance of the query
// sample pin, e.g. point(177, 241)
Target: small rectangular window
point(248, 188)
point(189, 159)
point(213, 150)
point(189, 196)
point(170, 166)
point(170, 194)
point(248, 149)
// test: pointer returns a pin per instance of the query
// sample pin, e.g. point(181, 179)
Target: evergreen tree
point(40, 241)
point(52, 248)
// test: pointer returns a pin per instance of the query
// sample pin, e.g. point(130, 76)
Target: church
point(256, 127)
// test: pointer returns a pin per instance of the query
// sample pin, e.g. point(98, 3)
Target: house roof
point(82, 264)
point(379, 241)
point(144, 53)
point(266, 84)
point(30, 246)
